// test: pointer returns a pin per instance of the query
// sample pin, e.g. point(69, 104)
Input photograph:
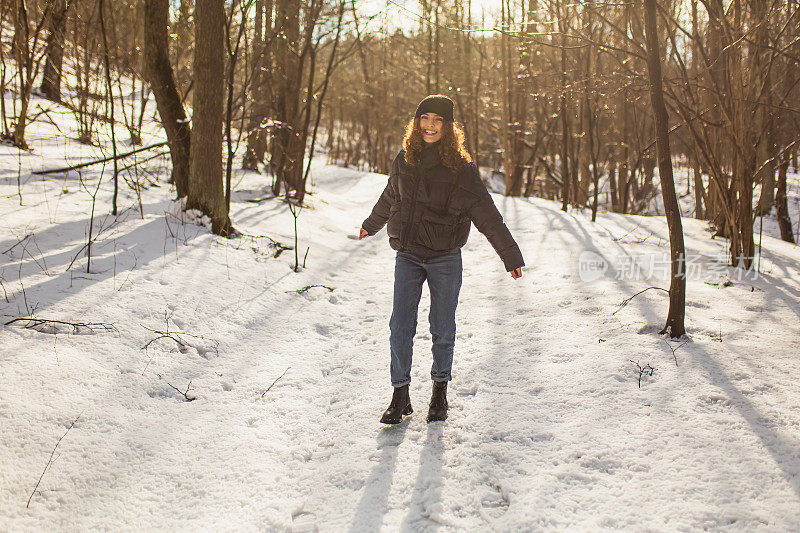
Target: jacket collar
point(429, 157)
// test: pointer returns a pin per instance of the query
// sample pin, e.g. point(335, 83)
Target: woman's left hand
point(516, 273)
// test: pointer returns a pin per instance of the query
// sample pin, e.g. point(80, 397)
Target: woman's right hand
point(363, 234)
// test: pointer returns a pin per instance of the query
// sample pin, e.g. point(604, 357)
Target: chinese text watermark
point(658, 266)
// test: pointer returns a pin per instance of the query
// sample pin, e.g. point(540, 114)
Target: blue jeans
point(444, 282)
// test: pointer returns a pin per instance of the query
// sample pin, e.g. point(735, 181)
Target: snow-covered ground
point(548, 428)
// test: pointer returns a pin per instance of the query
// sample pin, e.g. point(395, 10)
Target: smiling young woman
point(433, 195)
point(452, 152)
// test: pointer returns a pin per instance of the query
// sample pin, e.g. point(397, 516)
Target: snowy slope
point(548, 429)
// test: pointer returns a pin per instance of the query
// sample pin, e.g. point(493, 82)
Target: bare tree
point(205, 182)
point(28, 56)
point(784, 222)
point(158, 71)
point(109, 104)
point(677, 287)
point(51, 77)
point(259, 106)
point(517, 82)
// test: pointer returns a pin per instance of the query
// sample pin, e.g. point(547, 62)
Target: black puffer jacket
point(429, 211)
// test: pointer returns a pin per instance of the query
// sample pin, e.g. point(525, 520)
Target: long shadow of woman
point(372, 507)
point(426, 512)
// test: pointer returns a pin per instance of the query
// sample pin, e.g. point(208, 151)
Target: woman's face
point(431, 126)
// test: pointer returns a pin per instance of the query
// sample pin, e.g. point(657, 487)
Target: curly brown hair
point(451, 147)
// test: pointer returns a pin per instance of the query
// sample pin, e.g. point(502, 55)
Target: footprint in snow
point(494, 503)
point(468, 389)
point(304, 522)
point(335, 368)
point(323, 452)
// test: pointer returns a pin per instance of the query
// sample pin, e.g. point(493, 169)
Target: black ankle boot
point(401, 405)
point(438, 406)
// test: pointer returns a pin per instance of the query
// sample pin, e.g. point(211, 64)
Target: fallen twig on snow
point(186, 393)
point(50, 460)
point(626, 300)
point(46, 325)
point(276, 380)
point(177, 336)
point(276, 247)
point(96, 161)
point(727, 282)
point(304, 289)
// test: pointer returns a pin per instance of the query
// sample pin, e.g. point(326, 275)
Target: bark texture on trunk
point(784, 222)
point(22, 56)
point(205, 183)
point(286, 162)
point(259, 90)
point(158, 71)
point(54, 52)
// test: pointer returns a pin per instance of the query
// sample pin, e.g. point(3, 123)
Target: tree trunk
point(784, 222)
point(286, 91)
point(566, 177)
point(766, 173)
point(259, 107)
point(183, 29)
point(766, 150)
point(22, 55)
point(694, 153)
point(110, 102)
point(158, 71)
point(205, 183)
point(585, 155)
point(612, 184)
point(518, 88)
point(54, 51)
point(677, 289)
point(698, 188)
point(624, 171)
point(425, 21)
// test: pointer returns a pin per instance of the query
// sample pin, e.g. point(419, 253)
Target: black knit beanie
point(436, 103)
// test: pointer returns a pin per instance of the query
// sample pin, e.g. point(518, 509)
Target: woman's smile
point(431, 126)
